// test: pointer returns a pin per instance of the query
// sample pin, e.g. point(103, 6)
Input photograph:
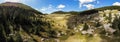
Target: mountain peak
point(15, 4)
point(19, 5)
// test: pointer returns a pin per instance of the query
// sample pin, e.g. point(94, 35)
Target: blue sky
point(48, 6)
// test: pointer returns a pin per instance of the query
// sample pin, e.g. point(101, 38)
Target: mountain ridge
point(19, 5)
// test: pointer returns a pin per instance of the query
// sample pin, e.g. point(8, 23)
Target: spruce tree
point(2, 34)
point(110, 18)
point(98, 24)
point(115, 23)
point(86, 27)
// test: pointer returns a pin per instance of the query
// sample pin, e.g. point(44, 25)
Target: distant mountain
point(62, 12)
point(88, 12)
point(19, 5)
point(108, 7)
point(92, 11)
point(16, 5)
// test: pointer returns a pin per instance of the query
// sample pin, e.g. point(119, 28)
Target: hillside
point(21, 23)
point(88, 12)
point(20, 5)
point(16, 21)
point(92, 11)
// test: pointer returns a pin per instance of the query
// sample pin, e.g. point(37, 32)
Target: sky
point(49, 6)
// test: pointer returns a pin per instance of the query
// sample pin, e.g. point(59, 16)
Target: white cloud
point(116, 4)
point(86, 1)
point(48, 9)
point(61, 6)
point(89, 6)
point(81, 2)
point(43, 9)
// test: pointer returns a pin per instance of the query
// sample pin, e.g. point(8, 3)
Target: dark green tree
point(97, 24)
point(86, 27)
point(110, 18)
point(2, 34)
point(115, 23)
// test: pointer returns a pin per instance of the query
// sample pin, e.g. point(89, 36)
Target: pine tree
point(115, 23)
point(18, 38)
point(2, 34)
point(110, 17)
point(98, 24)
point(11, 39)
point(86, 27)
